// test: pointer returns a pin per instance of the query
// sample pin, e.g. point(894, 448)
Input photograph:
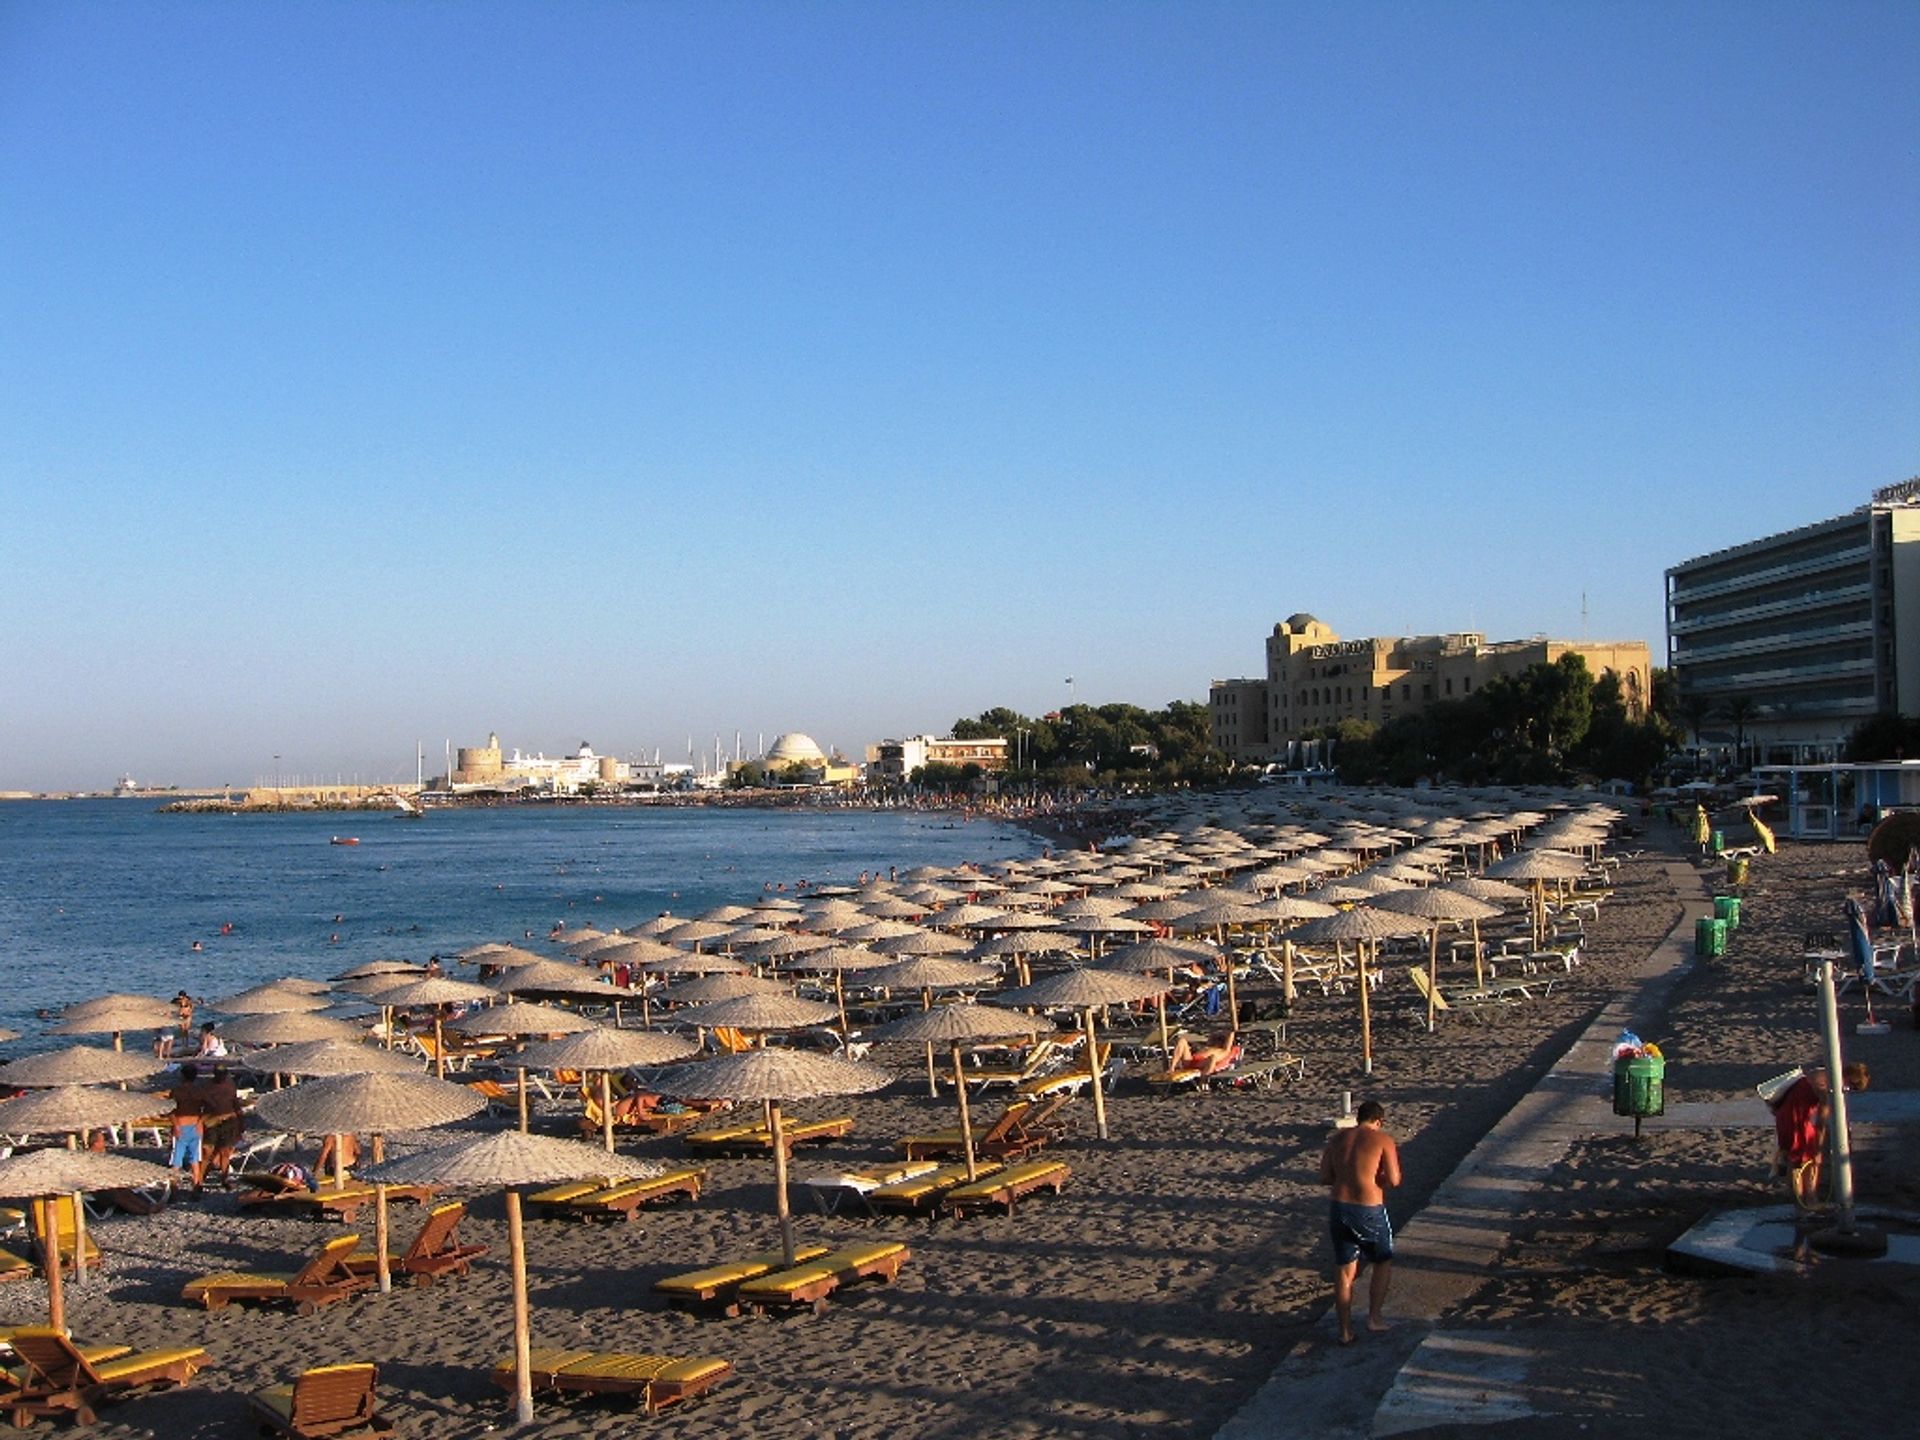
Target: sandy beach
point(1185, 1257)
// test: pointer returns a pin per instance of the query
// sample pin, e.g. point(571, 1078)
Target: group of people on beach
point(208, 1121)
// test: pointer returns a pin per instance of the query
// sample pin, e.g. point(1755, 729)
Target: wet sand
point(1156, 1294)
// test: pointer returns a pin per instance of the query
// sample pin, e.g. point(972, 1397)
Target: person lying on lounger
point(1220, 1051)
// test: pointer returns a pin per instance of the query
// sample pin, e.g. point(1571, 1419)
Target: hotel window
point(1406, 692)
point(1466, 683)
point(1449, 685)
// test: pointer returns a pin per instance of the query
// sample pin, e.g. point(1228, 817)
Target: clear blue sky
point(373, 373)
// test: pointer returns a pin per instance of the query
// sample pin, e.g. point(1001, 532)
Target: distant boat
point(346, 840)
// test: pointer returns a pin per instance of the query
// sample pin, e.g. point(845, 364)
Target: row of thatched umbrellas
point(369, 1102)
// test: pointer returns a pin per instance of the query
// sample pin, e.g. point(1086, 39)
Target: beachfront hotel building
point(1315, 680)
point(1792, 640)
point(891, 762)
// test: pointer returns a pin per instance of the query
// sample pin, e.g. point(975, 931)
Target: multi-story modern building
point(890, 762)
point(1315, 680)
point(1790, 641)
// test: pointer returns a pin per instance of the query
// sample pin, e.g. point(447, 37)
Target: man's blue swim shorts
point(1360, 1230)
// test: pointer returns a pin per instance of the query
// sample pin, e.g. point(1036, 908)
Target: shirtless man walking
point(1361, 1164)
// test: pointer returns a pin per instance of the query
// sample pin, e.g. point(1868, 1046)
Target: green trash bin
point(1737, 870)
point(1639, 1087)
point(1709, 936)
point(1719, 841)
point(1727, 908)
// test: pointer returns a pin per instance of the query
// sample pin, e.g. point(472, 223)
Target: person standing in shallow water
point(1360, 1165)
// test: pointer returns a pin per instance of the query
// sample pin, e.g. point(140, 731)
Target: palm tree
point(1739, 711)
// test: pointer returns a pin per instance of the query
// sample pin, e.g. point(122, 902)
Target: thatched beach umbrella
point(774, 1076)
point(116, 1020)
point(605, 1050)
point(518, 1019)
point(295, 1027)
point(77, 1065)
point(381, 967)
point(956, 1025)
point(368, 1104)
point(44, 1175)
point(330, 1057)
point(72, 1110)
point(1437, 907)
point(1150, 956)
point(1365, 925)
point(928, 973)
point(1085, 990)
point(1537, 867)
point(835, 960)
point(503, 1161)
point(437, 991)
point(267, 1000)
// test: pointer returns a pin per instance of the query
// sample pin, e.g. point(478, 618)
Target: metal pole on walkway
point(1844, 1237)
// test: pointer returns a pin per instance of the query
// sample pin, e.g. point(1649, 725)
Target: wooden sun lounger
point(952, 1140)
point(327, 1400)
point(659, 1380)
point(324, 1279)
point(14, 1267)
point(1008, 1186)
point(61, 1379)
point(332, 1202)
point(716, 1283)
point(809, 1284)
point(922, 1194)
point(748, 1139)
point(625, 1198)
point(433, 1253)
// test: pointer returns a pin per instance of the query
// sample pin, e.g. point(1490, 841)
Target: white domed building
point(797, 759)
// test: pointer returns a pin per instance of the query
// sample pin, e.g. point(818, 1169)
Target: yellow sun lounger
point(923, 1193)
point(810, 1284)
point(626, 1198)
point(322, 1280)
point(327, 1400)
point(747, 1139)
point(1007, 1186)
point(716, 1283)
point(659, 1380)
point(60, 1379)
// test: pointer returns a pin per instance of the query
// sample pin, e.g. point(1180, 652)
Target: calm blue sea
point(100, 895)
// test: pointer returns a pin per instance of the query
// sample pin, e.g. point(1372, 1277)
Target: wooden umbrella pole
point(522, 1329)
point(380, 1232)
point(1366, 1013)
point(79, 1237)
point(840, 999)
point(56, 1297)
point(780, 1207)
point(523, 1098)
point(606, 1109)
point(966, 1123)
point(439, 1047)
point(926, 1004)
point(1286, 974)
point(1233, 996)
point(1160, 1004)
point(1433, 976)
point(1099, 1090)
point(1479, 960)
point(340, 1161)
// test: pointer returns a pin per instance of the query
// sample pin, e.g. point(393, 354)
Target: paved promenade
point(1424, 1373)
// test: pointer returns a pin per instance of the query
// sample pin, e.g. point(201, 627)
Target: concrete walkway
point(1420, 1375)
